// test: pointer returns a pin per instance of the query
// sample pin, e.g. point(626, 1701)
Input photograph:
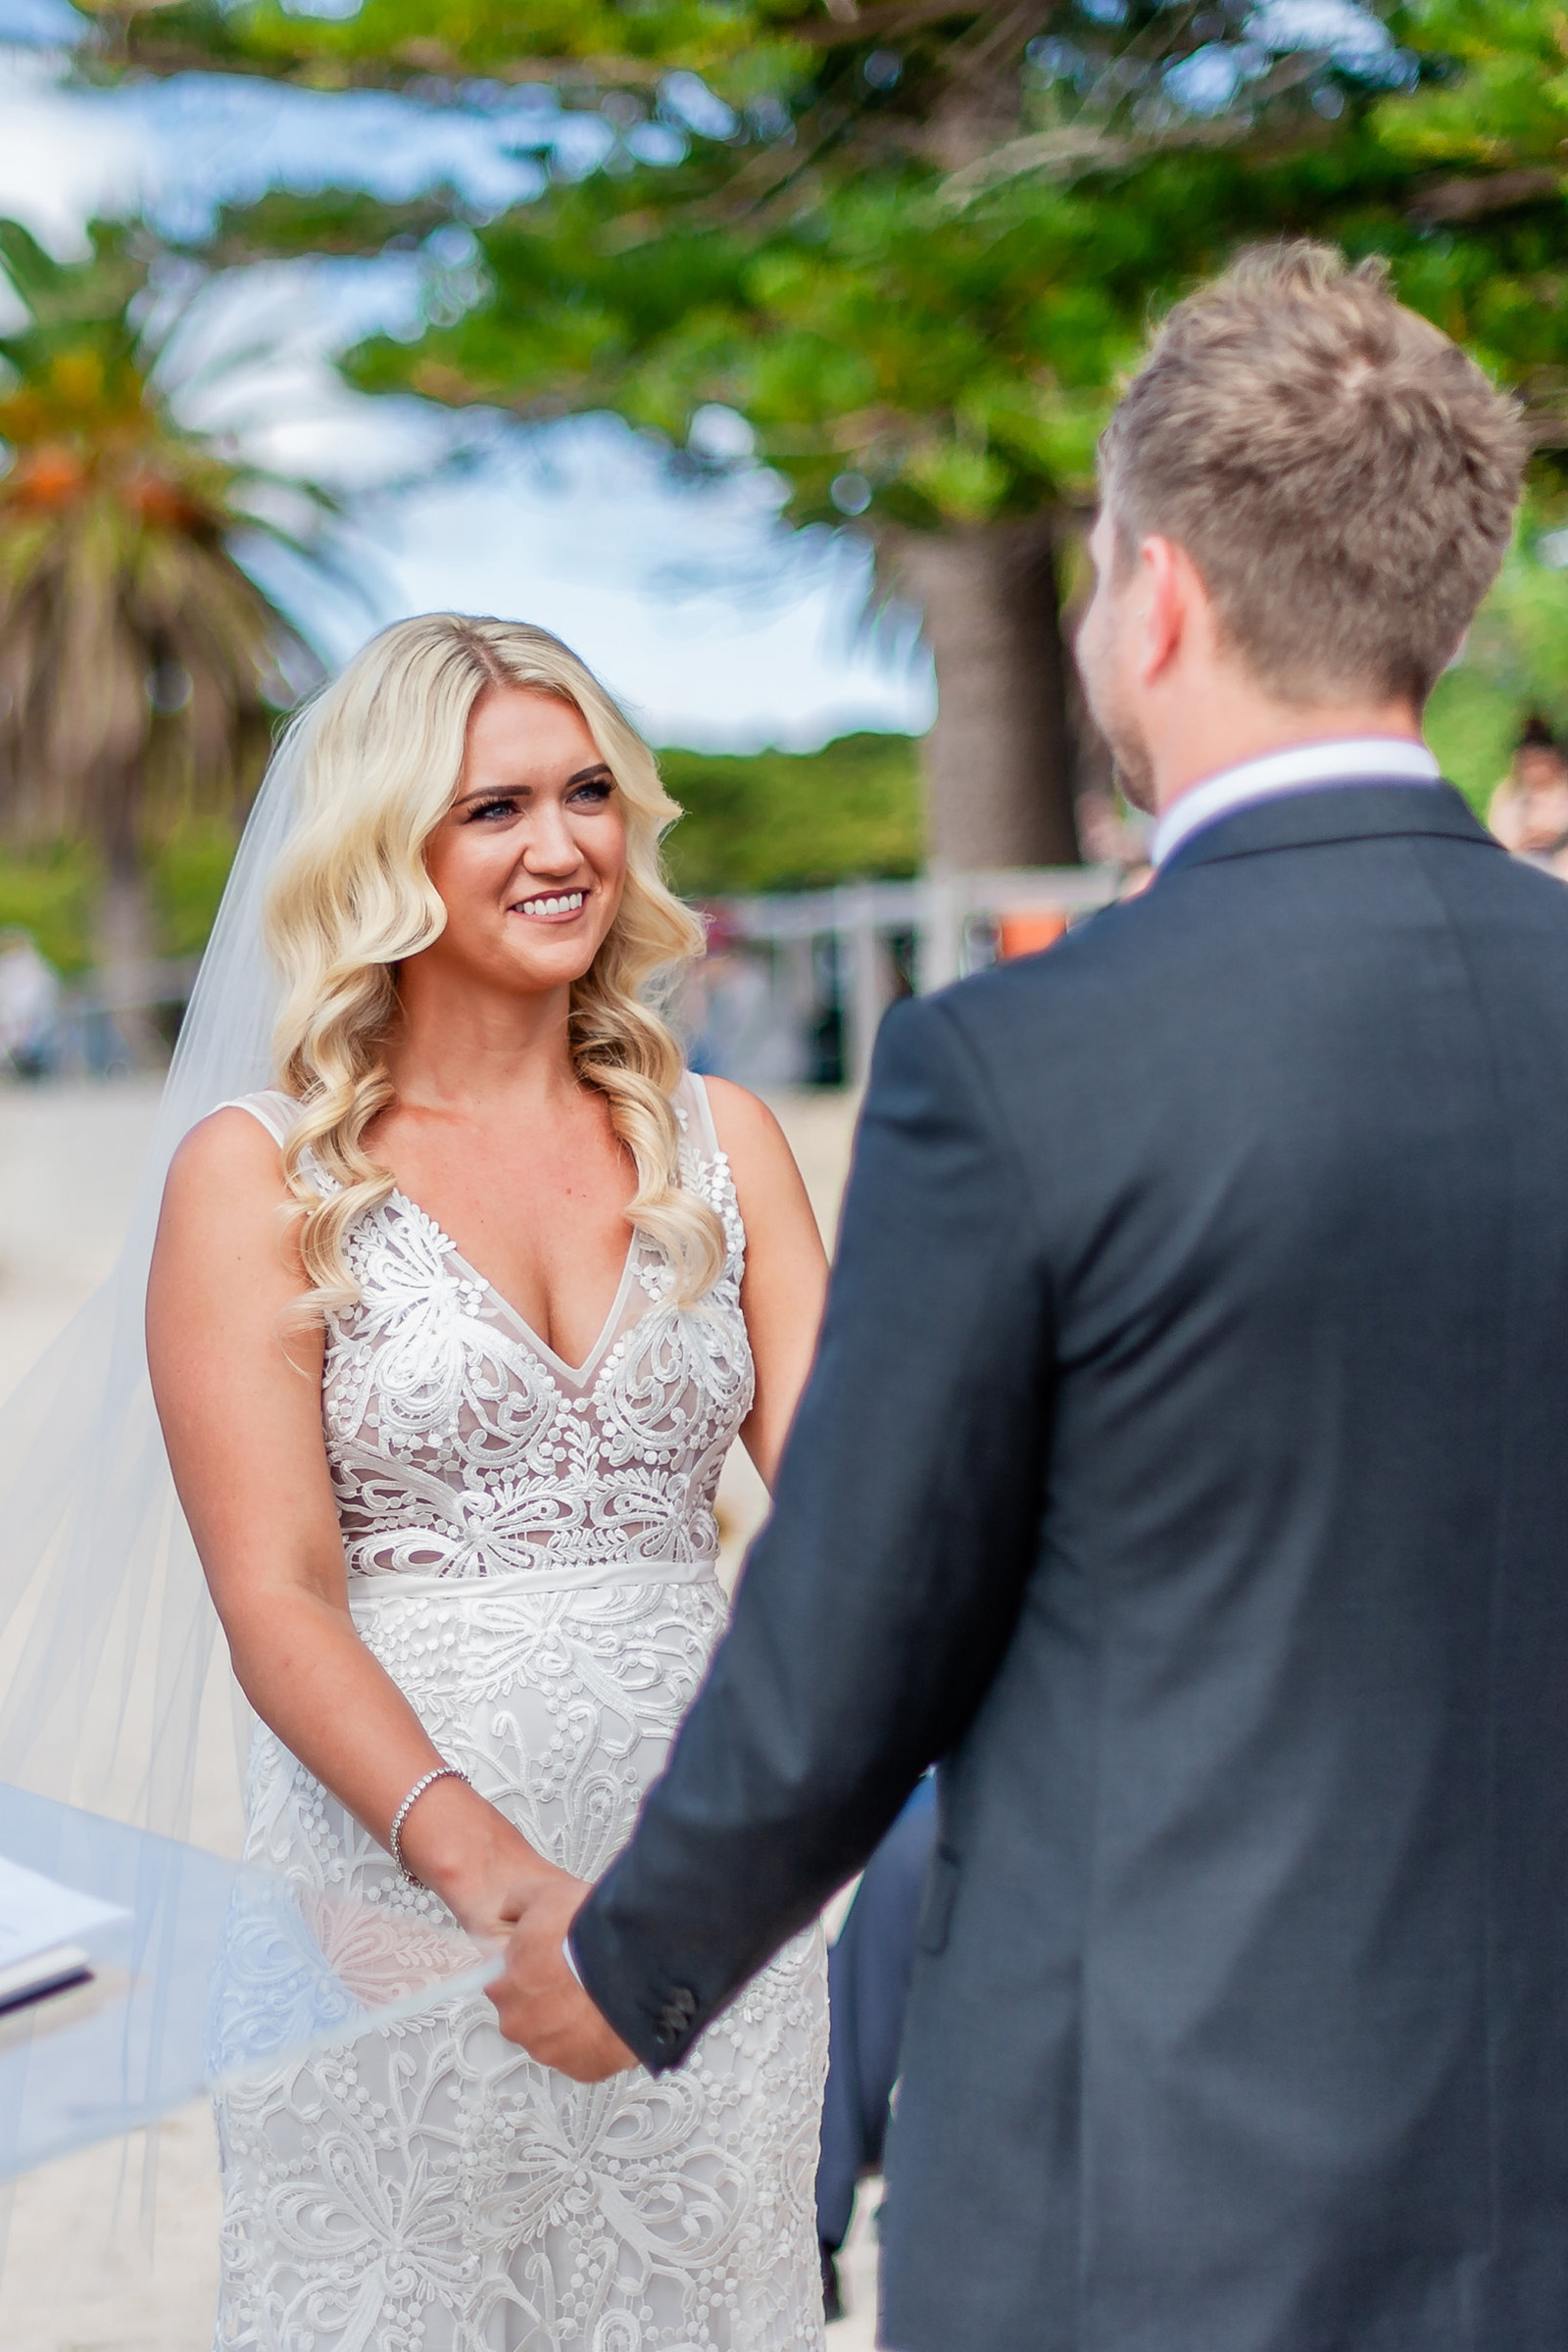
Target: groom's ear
point(1169, 605)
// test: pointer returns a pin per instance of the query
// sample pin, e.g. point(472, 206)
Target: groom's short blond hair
point(1341, 474)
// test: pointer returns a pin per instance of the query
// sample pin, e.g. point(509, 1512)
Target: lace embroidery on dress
point(530, 1552)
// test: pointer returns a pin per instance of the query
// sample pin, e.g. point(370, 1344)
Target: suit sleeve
point(877, 1601)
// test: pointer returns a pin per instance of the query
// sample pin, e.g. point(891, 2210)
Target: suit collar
point(1310, 817)
point(1341, 759)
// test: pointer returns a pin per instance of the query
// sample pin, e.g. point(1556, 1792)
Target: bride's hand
point(459, 1846)
point(489, 1910)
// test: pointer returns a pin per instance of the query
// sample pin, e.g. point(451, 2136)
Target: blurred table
point(221, 1971)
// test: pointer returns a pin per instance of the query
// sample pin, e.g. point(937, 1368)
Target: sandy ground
point(78, 2274)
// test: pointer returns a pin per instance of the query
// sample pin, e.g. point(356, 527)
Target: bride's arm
point(239, 1395)
point(786, 1267)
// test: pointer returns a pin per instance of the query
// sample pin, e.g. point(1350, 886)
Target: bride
point(450, 1334)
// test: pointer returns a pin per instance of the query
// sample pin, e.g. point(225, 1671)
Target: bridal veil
point(115, 1688)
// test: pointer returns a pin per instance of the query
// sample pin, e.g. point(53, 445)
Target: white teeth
point(567, 904)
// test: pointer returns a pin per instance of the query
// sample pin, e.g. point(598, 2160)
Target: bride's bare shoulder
point(741, 1119)
point(231, 1157)
point(749, 1135)
point(225, 1241)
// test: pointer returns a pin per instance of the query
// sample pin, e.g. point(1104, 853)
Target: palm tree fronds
point(141, 667)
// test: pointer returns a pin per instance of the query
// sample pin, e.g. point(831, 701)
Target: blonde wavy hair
point(379, 757)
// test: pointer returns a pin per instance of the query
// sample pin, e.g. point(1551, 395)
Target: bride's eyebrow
point(522, 791)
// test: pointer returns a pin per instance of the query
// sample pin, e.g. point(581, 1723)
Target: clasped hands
point(499, 1890)
point(538, 2000)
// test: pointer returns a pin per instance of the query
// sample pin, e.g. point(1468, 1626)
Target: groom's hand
point(539, 2002)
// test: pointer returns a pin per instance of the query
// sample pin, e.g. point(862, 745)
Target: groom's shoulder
point(1143, 982)
point(1067, 1008)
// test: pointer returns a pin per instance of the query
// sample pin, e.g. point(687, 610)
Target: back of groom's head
point(1341, 473)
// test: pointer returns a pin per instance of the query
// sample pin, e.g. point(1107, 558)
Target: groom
point(1186, 1467)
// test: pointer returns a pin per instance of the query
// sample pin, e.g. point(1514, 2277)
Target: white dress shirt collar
point(1358, 760)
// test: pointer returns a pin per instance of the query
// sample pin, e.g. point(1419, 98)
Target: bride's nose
point(550, 847)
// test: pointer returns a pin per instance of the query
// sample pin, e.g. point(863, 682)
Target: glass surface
point(219, 1972)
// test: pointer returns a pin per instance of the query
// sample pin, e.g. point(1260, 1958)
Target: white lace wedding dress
point(530, 1552)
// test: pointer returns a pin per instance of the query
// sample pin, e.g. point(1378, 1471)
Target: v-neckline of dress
point(590, 1364)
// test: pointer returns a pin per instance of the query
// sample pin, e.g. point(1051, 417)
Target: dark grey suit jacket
point(1186, 1464)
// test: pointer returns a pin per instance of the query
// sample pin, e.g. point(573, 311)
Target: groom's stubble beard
point(1134, 769)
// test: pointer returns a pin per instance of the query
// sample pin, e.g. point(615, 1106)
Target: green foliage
point(960, 367)
point(783, 820)
point(954, 341)
point(1515, 663)
point(53, 892)
point(1472, 725)
point(921, 258)
point(925, 245)
point(1502, 103)
point(582, 43)
point(850, 80)
point(923, 251)
point(187, 873)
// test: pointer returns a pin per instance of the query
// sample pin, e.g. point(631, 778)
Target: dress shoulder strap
point(696, 1115)
point(271, 1107)
point(705, 1167)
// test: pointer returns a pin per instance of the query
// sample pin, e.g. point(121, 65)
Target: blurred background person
point(29, 1005)
point(740, 1028)
point(1529, 811)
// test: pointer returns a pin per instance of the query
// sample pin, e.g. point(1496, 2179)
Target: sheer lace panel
point(460, 1444)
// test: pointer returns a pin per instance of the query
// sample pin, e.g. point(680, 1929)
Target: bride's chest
point(543, 1215)
point(434, 1371)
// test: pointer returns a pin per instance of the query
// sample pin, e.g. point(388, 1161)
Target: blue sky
point(719, 628)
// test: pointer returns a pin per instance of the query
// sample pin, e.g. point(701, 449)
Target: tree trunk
point(1000, 759)
point(124, 951)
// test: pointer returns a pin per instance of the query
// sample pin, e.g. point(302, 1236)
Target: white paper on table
point(37, 1913)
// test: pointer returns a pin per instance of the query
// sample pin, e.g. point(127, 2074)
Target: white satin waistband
point(522, 1582)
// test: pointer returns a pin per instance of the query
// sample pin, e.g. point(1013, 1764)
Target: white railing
point(952, 922)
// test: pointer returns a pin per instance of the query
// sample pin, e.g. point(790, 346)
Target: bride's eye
point(504, 805)
point(596, 794)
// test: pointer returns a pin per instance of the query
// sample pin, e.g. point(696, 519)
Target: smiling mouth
point(561, 904)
